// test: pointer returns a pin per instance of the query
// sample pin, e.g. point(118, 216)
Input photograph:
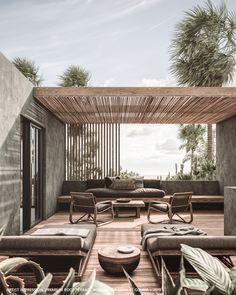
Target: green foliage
point(213, 277)
point(84, 165)
point(211, 271)
point(74, 76)
point(204, 47)
point(29, 69)
point(89, 287)
point(127, 174)
point(132, 283)
point(205, 170)
point(192, 136)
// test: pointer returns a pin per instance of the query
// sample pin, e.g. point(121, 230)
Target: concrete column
point(230, 211)
point(226, 153)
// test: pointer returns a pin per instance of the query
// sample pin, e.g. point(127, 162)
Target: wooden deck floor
point(127, 231)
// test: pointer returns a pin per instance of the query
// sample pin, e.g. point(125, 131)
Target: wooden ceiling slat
point(118, 105)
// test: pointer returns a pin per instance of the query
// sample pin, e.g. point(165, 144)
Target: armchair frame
point(178, 203)
point(86, 203)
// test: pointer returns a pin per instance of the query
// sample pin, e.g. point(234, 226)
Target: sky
point(121, 43)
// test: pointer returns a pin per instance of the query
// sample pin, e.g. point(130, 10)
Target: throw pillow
point(108, 180)
point(138, 181)
point(123, 184)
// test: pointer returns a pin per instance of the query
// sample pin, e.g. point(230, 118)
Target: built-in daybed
point(168, 247)
point(55, 248)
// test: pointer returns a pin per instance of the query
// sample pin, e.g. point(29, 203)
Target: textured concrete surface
point(54, 163)
point(226, 153)
point(230, 211)
point(16, 100)
point(198, 187)
point(15, 90)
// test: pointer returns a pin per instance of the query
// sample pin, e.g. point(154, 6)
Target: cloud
point(157, 82)
point(109, 82)
point(170, 146)
point(140, 131)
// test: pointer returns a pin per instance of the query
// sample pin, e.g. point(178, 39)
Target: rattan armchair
point(86, 203)
point(178, 203)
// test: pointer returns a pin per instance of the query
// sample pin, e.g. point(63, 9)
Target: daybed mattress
point(137, 193)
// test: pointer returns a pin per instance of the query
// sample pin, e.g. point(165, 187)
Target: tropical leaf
point(179, 286)
point(67, 286)
point(4, 287)
point(168, 285)
point(16, 283)
point(84, 288)
point(13, 264)
point(210, 290)
point(135, 288)
point(100, 288)
point(232, 274)
point(195, 284)
point(43, 286)
point(209, 268)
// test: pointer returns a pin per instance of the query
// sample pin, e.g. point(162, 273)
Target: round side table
point(111, 260)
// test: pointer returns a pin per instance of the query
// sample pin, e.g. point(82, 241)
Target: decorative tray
point(123, 200)
point(126, 249)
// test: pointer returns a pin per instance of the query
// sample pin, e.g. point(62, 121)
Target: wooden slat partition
point(92, 151)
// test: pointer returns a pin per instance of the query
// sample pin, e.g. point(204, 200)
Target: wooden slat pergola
point(163, 105)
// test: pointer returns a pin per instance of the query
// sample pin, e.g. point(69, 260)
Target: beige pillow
point(138, 181)
point(123, 184)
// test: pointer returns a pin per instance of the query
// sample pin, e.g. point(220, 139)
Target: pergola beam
point(163, 105)
point(135, 91)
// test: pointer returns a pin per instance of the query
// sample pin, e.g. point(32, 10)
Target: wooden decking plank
point(127, 231)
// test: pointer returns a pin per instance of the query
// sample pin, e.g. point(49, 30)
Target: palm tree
point(75, 76)
point(29, 69)
point(192, 136)
point(203, 50)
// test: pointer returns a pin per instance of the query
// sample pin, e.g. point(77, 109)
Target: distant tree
point(85, 167)
point(74, 76)
point(203, 50)
point(29, 69)
point(127, 174)
point(192, 136)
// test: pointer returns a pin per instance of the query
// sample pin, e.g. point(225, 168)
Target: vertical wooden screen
point(92, 151)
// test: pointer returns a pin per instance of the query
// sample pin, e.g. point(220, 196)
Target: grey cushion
point(160, 206)
point(73, 186)
point(57, 231)
point(103, 206)
point(137, 193)
point(204, 242)
point(123, 184)
point(94, 183)
point(44, 243)
point(108, 180)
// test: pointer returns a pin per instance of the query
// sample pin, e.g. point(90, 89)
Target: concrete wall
point(16, 100)
point(197, 187)
point(229, 211)
point(54, 138)
point(226, 153)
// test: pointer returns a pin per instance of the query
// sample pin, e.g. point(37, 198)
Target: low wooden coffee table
point(111, 260)
point(135, 204)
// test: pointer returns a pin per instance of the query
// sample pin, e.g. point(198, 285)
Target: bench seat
point(195, 199)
